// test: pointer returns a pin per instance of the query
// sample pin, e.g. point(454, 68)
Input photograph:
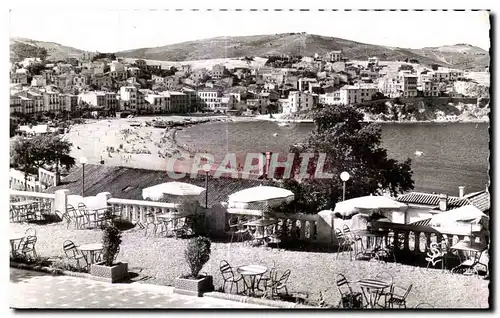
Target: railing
point(295, 226)
point(136, 211)
point(417, 239)
point(16, 196)
point(16, 181)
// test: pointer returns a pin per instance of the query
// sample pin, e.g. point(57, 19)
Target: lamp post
point(344, 176)
point(83, 161)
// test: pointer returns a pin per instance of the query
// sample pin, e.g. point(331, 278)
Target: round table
point(13, 238)
point(91, 249)
point(371, 289)
point(252, 272)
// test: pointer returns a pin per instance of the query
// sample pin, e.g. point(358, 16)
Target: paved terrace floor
point(29, 289)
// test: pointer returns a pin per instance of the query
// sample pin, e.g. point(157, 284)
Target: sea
point(444, 155)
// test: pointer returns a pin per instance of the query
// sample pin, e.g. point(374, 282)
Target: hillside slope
point(464, 56)
point(285, 43)
point(21, 48)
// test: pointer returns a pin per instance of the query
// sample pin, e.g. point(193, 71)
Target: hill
point(461, 55)
point(21, 48)
point(290, 44)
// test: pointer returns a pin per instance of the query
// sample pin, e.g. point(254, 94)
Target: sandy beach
point(118, 143)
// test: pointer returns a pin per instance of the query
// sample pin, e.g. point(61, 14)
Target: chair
point(274, 238)
point(89, 218)
point(150, 222)
point(45, 207)
point(73, 253)
point(65, 216)
point(434, 255)
point(279, 284)
point(355, 239)
point(397, 296)
point(185, 228)
point(28, 246)
point(79, 218)
point(228, 276)
point(348, 297)
point(344, 243)
point(241, 230)
point(388, 278)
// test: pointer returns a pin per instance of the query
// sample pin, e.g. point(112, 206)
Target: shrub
point(111, 240)
point(197, 254)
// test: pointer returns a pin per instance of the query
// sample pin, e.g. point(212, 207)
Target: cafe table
point(371, 289)
point(251, 276)
point(91, 250)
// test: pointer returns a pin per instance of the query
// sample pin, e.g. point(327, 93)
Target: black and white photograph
point(254, 159)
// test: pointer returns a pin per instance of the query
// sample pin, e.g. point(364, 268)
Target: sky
point(114, 30)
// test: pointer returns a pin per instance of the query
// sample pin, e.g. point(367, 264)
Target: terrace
point(307, 249)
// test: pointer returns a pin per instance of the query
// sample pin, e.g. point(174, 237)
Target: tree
point(350, 145)
point(29, 154)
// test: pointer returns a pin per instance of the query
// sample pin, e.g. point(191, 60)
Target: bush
point(197, 254)
point(111, 240)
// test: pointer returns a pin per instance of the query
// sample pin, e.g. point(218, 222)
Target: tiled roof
point(423, 198)
point(480, 200)
point(127, 183)
point(424, 222)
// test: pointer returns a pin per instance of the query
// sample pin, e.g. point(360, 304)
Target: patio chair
point(229, 277)
point(274, 238)
point(150, 223)
point(355, 239)
point(73, 253)
point(241, 231)
point(388, 278)
point(279, 284)
point(28, 246)
point(44, 207)
point(397, 296)
point(348, 297)
point(184, 228)
point(79, 218)
point(90, 219)
point(344, 243)
point(256, 237)
point(65, 217)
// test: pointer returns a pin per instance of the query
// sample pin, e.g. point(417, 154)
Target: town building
point(408, 84)
point(430, 88)
point(68, 102)
point(18, 78)
point(128, 98)
point(51, 101)
point(218, 71)
point(334, 56)
point(209, 99)
point(38, 81)
point(298, 102)
point(15, 104)
point(80, 80)
point(157, 103)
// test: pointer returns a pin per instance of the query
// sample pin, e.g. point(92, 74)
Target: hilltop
point(306, 45)
point(21, 48)
point(461, 55)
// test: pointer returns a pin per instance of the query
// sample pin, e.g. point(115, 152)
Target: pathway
point(29, 289)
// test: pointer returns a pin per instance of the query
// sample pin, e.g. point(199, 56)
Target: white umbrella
point(367, 204)
point(466, 214)
point(174, 188)
point(271, 196)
